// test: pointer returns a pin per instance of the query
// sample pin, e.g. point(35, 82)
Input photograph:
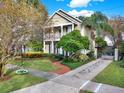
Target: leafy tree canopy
point(100, 42)
point(73, 42)
point(98, 22)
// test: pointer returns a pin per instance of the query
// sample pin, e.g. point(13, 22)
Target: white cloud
point(85, 13)
point(59, 0)
point(81, 3)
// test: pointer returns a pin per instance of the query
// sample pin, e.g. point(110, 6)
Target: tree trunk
point(1, 70)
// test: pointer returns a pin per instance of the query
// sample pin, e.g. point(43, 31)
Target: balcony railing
point(52, 36)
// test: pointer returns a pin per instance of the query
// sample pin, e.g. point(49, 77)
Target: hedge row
point(39, 55)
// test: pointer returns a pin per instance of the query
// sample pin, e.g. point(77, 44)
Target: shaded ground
point(113, 75)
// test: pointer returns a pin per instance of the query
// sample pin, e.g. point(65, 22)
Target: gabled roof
point(66, 16)
point(70, 15)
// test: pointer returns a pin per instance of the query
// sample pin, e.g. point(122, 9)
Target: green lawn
point(73, 65)
point(18, 81)
point(113, 75)
point(85, 91)
point(43, 64)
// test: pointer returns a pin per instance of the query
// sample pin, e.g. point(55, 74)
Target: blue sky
point(86, 7)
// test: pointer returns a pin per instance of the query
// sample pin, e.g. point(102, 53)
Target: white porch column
point(72, 27)
point(68, 54)
point(52, 47)
point(44, 46)
point(60, 51)
point(62, 30)
point(116, 54)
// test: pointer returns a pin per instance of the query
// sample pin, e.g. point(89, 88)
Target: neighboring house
point(59, 24)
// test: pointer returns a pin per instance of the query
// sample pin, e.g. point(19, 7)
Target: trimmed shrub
point(58, 57)
point(32, 55)
point(80, 57)
point(72, 63)
point(91, 55)
point(69, 60)
point(83, 58)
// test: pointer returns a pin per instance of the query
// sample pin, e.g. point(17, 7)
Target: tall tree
point(35, 3)
point(97, 22)
point(18, 23)
point(117, 23)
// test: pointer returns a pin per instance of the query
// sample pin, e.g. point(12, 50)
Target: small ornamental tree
point(73, 42)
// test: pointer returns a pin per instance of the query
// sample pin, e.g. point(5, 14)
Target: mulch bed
point(64, 69)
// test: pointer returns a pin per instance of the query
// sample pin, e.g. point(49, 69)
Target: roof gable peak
point(60, 10)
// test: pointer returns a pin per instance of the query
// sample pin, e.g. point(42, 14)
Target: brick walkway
point(63, 69)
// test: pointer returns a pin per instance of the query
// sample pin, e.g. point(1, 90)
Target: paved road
point(76, 80)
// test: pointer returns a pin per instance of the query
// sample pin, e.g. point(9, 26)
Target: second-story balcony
point(55, 33)
point(52, 36)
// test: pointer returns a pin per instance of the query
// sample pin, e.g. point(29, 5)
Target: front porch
point(52, 35)
point(51, 48)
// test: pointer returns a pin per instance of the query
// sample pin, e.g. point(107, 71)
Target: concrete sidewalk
point(76, 80)
point(49, 87)
point(90, 70)
point(101, 88)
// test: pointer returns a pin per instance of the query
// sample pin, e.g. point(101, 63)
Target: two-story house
point(59, 24)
